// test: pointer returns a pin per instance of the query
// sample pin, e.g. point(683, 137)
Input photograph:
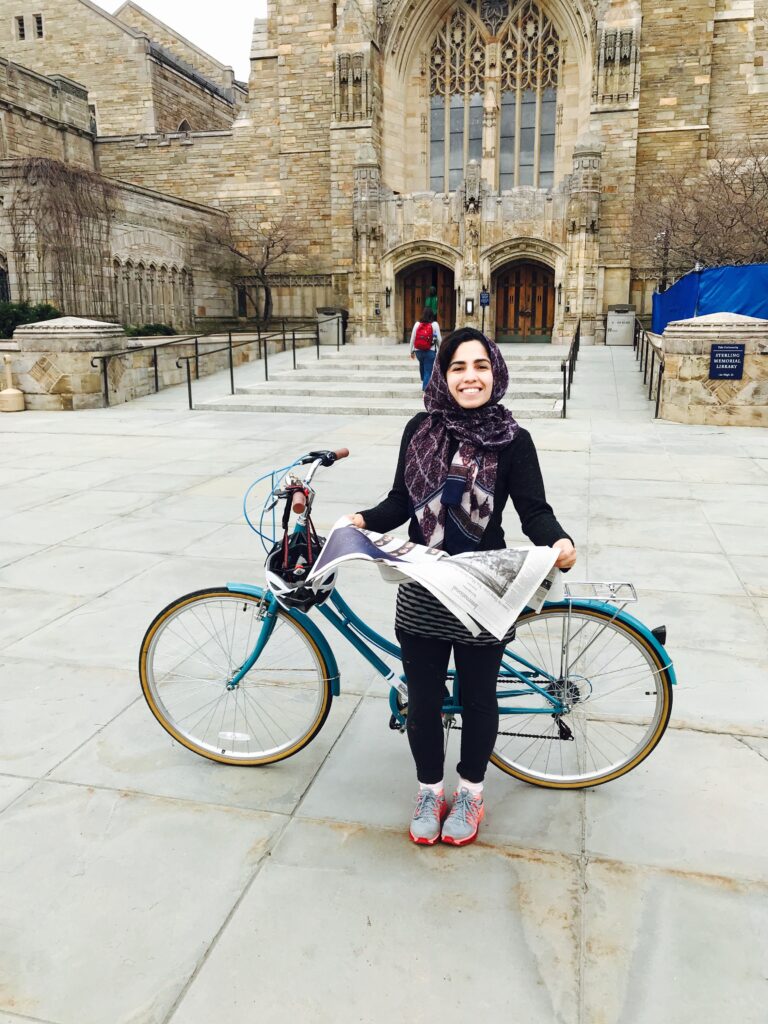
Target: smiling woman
point(460, 462)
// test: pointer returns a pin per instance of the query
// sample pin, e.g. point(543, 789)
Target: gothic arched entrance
point(415, 282)
point(525, 302)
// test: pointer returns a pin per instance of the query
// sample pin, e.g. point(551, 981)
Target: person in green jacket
point(431, 302)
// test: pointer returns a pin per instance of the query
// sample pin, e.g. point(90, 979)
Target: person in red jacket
point(460, 461)
point(425, 337)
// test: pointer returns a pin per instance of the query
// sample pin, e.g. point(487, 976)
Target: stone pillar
point(54, 364)
point(471, 237)
point(581, 285)
point(368, 287)
point(688, 395)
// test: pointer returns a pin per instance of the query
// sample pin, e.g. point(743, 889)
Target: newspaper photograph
point(483, 589)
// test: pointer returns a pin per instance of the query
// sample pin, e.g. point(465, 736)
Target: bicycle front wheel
point(192, 651)
point(614, 695)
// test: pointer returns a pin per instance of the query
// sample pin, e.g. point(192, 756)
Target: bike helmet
point(287, 566)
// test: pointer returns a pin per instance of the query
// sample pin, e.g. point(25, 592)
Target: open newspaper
point(483, 589)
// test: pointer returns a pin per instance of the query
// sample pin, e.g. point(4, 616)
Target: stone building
point(469, 145)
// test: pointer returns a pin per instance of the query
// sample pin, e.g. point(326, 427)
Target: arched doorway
point(525, 302)
point(416, 281)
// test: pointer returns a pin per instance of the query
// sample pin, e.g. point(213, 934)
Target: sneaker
point(463, 822)
point(431, 808)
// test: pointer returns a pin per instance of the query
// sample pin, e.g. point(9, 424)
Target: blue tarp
point(720, 290)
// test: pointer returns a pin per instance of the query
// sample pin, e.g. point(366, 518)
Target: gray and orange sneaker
point(462, 824)
point(431, 808)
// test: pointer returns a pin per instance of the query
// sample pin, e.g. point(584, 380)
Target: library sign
point(726, 362)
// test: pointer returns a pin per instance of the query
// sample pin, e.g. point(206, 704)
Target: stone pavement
point(140, 884)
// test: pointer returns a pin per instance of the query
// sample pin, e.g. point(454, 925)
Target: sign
point(726, 362)
point(485, 299)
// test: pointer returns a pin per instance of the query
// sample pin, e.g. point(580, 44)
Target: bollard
point(317, 338)
point(293, 345)
point(231, 367)
point(157, 375)
point(266, 358)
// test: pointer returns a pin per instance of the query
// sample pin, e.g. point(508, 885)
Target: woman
point(459, 463)
point(425, 337)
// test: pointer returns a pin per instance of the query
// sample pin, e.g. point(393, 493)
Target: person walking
point(425, 337)
point(432, 301)
point(459, 463)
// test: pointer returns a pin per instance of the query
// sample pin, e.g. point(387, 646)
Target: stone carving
point(617, 67)
point(353, 93)
point(472, 188)
point(301, 280)
point(46, 373)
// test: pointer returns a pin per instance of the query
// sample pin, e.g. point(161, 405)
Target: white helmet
point(287, 566)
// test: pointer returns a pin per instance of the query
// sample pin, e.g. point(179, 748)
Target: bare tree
point(257, 245)
point(712, 217)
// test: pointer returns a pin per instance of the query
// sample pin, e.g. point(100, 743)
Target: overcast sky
point(222, 29)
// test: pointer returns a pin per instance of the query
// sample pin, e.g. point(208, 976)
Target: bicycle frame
point(364, 638)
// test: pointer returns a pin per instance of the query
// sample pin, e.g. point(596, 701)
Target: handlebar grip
point(342, 453)
point(299, 502)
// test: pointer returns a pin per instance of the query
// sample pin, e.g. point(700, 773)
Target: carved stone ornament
point(472, 188)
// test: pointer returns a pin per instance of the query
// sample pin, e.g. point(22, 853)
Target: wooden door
point(416, 285)
point(525, 303)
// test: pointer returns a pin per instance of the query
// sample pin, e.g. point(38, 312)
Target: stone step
point(547, 408)
point(368, 390)
point(404, 358)
point(401, 375)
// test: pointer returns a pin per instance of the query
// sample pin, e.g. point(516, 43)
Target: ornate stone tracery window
point(463, 82)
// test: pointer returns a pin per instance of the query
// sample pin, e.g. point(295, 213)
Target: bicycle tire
point(294, 692)
point(532, 748)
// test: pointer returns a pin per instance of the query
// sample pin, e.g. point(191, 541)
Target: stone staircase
point(362, 381)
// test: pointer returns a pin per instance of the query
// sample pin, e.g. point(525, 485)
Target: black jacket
point(518, 477)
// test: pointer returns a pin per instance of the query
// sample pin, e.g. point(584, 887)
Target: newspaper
point(483, 589)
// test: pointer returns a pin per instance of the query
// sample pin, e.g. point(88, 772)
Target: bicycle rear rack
point(612, 593)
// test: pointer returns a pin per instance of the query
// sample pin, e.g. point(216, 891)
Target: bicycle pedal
point(395, 724)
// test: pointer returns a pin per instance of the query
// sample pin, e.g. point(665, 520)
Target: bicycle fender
point(330, 665)
point(628, 620)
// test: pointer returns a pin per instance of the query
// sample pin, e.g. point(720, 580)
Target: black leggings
point(425, 660)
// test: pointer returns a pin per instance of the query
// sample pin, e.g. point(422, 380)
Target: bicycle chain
point(525, 735)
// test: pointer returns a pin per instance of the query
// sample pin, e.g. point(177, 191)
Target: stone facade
point(342, 120)
point(688, 395)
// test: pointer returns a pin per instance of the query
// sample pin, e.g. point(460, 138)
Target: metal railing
point(568, 368)
point(262, 339)
point(646, 355)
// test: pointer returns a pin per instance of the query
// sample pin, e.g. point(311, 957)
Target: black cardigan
point(518, 477)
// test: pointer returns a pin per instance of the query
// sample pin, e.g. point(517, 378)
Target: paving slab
point(702, 781)
point(376, 913)
point(133, 888)
point(26, 612)
point(83, 570)
point(48, 709)
point(720, 693)
point(673, 947)
point(378, 760)
point(134, 754)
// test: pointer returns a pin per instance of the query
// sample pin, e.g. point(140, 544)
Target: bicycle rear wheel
point(616, 692)
point(189, 656)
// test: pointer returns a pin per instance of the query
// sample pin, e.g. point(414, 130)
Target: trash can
point(620, 328)
point(333, 325)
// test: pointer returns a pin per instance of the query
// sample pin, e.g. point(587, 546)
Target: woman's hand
point(567, 557)
point(413, 355)
point(357, 520)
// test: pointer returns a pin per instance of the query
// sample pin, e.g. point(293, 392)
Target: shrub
point(13, 314)
point(149, 330)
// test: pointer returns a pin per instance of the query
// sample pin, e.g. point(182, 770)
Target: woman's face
point(469, 375)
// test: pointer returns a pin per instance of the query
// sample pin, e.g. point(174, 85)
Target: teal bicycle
point(584, 689)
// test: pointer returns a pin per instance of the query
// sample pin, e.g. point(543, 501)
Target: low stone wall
point(689, 395)
point(57, 375)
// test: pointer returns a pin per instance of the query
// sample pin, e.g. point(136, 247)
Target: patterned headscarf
point(460, 491)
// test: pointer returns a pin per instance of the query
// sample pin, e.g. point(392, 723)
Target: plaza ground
point(140, 884)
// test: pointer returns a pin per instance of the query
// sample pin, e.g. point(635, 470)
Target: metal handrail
point(568, 368)
point(190, 339)
point(265, 338)
point(646, 354)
